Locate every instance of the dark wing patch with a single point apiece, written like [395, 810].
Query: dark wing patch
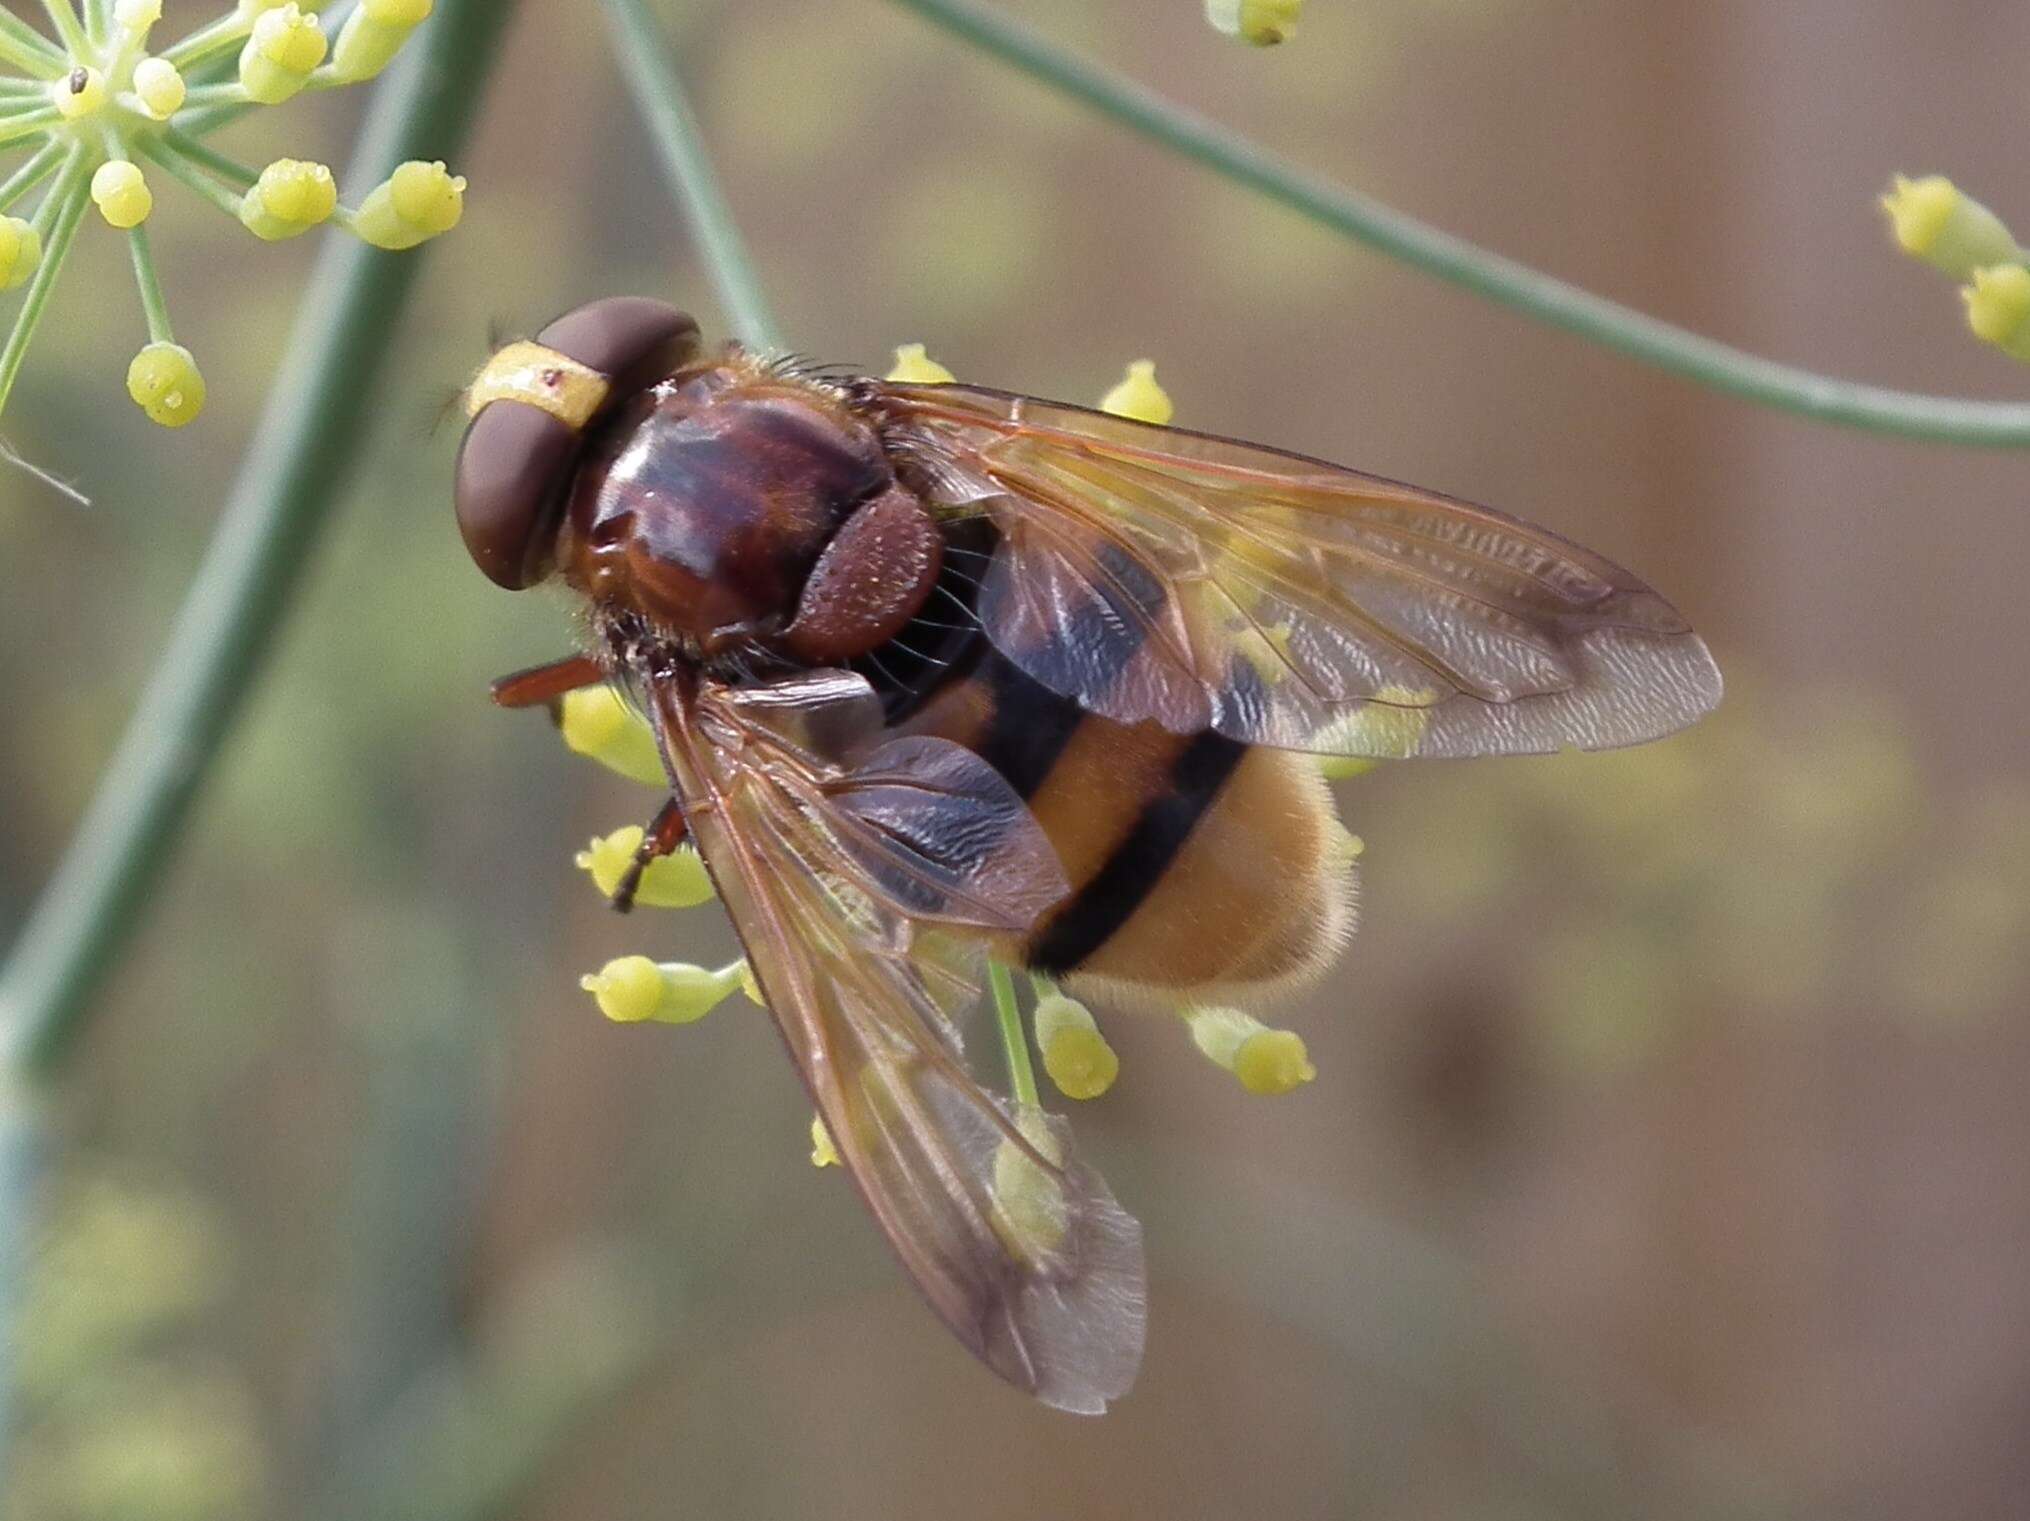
[836, 879]
[1158, 574]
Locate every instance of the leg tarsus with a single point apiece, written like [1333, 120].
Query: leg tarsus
[664, 834]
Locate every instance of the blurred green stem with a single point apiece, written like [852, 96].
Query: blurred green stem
[154, 307]
[645, 59]
[1014, 1039]
[65, 20]
[321, 404]
[57, 219]
[1873, 409]
[32, 173]
[26, 48]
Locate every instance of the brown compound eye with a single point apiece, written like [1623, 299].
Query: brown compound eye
[631, 340]
[519, 455]
[512, 470]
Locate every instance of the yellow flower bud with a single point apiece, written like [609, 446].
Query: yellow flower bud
[1344, 848]
[1031, 1214]
[627, 989]
[20, 252]
[915, 367]
[1262, 23]
[78, 94]
[159, 84]
[630, 989]
[823, 1152]
[165, 383]
[1138, 396]
[677, 880]
[1998, 308]
[1266, 1061]
[596, 723]
[1389, 728]
[1272, 1062]
[374, 34]
[418, 202]
[289, 198]
[1075, 1054]
[285, 46]
[122, 193]
[1934, 222]
[137, 15]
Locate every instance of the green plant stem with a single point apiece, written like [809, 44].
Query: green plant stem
[31, 174]
[322, 400]
[64, 17]
[222, 65]
[226, 93]
[57, 219]
[213, 37]
[178, 162]
[321, 403]
[1014, 1038]
[153, 306]
[28, 123]
[224, 165]
[1941, 419]
[645, 60]
[27, 49]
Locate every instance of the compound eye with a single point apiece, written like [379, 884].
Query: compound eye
[633, 341]
[512, 471]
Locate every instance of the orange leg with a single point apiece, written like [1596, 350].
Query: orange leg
[545, 683]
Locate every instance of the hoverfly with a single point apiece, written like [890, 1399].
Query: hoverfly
[938, 671]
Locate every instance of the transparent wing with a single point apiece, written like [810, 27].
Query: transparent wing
[856, 884]
[1159, 574]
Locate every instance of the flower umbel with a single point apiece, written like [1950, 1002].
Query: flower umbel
[678, 880]
[1260, 23]
[1075, 1053]
[100, 113]
[630, 989]
[165, 383]
[1998, 308]
[915, 367]
[1138, 396]
[1934, 220]
[1265, 1060]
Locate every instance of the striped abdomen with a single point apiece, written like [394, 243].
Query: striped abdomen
[1196, 863]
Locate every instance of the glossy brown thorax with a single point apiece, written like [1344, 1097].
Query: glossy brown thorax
[704, 503]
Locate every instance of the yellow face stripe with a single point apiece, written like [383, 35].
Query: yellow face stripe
[542, 378]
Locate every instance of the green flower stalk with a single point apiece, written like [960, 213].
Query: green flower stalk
[101, 113]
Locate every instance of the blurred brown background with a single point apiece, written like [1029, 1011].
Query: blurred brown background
[1668, 1153]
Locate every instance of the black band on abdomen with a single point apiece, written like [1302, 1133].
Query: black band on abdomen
[1107, 901]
